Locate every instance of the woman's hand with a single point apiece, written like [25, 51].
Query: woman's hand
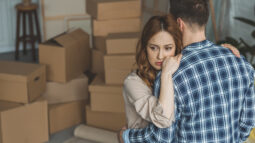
[171, 64]
[120, 134]
[232, 48]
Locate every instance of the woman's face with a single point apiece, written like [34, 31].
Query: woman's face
[160, 46]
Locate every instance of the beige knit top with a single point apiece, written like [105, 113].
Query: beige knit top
[141, 106]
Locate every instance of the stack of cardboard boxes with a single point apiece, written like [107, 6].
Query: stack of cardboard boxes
[67, 57]
[30, 107]
[116, 26]
[23, 119]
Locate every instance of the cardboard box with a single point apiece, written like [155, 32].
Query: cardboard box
[66, 115]
[117, 67]
[74, 90]
[66, 56]
[100, 43]
[23, 123]
[113, 9]
[105, 120]
[106, 98]
[83, 22]
[105, 27]
[122, 43]
[98, 62]
[21, 82]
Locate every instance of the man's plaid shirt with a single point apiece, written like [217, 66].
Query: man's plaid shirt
[214, 99]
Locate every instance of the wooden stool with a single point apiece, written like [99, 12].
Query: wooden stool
[31, 37]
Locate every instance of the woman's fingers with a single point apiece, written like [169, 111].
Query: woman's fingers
[179, 57]
[234, 50]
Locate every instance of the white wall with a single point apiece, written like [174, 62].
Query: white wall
[8, 18]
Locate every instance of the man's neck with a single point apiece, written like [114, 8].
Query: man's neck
[190, 37]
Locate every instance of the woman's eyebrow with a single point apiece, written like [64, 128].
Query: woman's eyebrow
[153, 45]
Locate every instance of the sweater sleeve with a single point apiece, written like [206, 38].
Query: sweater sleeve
[146, 105]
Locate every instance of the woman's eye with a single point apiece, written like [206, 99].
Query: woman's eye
[168, 48]
[153, 48]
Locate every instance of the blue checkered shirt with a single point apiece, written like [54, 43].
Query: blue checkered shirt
[214, 99]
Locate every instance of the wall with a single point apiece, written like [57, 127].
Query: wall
[8, 24]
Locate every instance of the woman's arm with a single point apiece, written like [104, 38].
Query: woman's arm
[158, 111]
[137, 94]
[166, 98]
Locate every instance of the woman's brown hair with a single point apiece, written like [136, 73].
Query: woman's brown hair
[155, 24]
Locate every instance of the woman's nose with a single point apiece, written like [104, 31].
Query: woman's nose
[160, 55]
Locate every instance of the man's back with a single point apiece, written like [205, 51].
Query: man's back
[214, 95]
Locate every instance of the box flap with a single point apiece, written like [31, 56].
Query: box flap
[79, 34]
[52, 41]
[65, 40]
[17, 71]
[98, 85]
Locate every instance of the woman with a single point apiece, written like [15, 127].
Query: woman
[158, 49]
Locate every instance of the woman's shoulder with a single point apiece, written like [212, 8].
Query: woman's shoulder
[132, 76]
[134, 84]
[133, 79]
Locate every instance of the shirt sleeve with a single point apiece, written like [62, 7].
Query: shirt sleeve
[247, 121]
[146, 105]
[152, 134]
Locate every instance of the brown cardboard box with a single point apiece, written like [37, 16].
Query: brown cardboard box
[105, 120]
[122, 43]
[65, 115]
[21, 82]
[100, 43]
[104, 27]
[98, 62]
[117, 43]
[74, 90]
[117, 67]
[23, 123]
[113, 9]
[66, 56]
[106, 98]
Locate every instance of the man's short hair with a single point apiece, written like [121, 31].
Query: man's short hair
[191, 11]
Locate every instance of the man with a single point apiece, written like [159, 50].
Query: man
[214, 90]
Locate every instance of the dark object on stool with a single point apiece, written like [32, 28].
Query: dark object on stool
[29, 10]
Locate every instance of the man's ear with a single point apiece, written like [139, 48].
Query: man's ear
[180, 24]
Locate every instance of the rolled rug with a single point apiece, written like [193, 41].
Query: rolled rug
[95, 134]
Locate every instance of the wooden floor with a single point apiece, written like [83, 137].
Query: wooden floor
[10, 56]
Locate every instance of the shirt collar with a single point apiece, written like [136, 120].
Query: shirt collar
[198, 45]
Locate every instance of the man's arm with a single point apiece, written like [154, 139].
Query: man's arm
[247, 120]
[152, 133]
[149, 134]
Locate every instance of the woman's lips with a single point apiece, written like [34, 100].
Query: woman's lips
[159, 63]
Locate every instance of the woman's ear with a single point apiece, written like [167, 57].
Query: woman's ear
[180, 24]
